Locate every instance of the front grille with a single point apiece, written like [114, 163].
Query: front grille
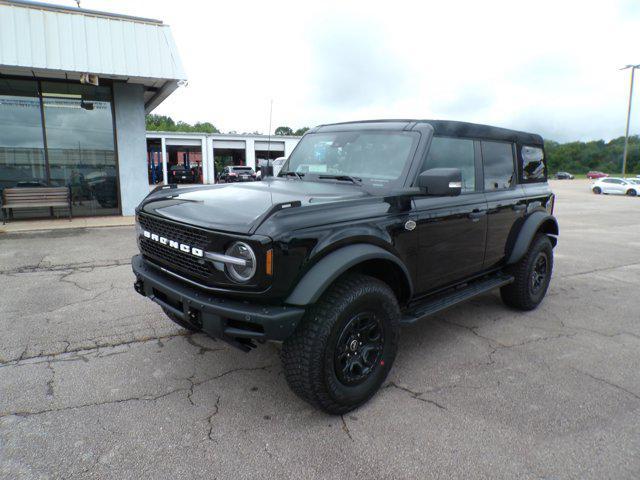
[169, 256]
[180, 233]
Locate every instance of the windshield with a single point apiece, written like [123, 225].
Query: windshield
[377, 158]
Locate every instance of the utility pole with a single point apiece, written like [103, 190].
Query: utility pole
[269, 140]
[626, 134]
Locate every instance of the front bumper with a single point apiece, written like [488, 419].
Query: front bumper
[234, 321]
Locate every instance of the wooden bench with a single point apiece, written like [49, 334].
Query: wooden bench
[35, 197]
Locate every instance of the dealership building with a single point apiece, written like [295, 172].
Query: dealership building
[200, 153]
[75, 86]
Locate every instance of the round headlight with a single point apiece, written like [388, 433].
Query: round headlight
[241, 273]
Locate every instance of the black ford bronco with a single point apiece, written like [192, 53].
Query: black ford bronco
[368, 226]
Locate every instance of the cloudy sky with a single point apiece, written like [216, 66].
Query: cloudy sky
[546, 66]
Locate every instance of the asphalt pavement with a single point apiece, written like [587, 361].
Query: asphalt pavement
[95, 383]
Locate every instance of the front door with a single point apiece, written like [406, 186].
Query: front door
[451, 230]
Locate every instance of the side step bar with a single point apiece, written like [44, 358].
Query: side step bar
[452, 297]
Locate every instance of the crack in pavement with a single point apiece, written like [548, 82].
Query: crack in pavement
[611, 384]
[496, 345]
[49, 390]
[597, 270]
[201, 348]
[345, 428]
[145, 398]
[85, 267]
[47, 357]
[216, 408]
[65, 278]
[415, 395]
[599, 333]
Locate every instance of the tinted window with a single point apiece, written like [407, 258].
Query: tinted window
[497, 158]
[453, 153]
[532, 163]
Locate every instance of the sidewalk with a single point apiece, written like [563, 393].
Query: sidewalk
[64, 223]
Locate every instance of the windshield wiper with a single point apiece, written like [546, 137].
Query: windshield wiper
[295, 174]
[347, 178]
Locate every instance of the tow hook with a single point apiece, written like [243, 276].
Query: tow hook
[138, 286]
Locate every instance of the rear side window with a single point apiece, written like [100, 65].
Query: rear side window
[532, 163]
[499, 171]
[459, 153]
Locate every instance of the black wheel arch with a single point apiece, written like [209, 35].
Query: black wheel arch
[362, 258]
[537, 222]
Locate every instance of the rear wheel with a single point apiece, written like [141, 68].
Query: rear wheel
[344, 346]
[532, 275]
[597, 190]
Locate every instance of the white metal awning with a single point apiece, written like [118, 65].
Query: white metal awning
[51, 41]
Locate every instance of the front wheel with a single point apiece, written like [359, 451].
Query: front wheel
[344, 346]
[597, 190]
[532, 275]
[631, 192]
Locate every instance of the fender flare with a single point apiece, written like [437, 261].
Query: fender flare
[314, 283]
[535, 222]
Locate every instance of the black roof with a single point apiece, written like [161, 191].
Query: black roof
[441, 127]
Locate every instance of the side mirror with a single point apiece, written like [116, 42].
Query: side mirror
[441, 181]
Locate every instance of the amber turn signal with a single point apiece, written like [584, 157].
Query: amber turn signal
[269, 262]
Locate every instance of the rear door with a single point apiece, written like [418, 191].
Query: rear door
[506, 202]
[451, 230]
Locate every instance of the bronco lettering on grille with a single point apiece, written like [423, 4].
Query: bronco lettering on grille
[173, 244]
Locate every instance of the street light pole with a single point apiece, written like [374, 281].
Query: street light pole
[626, 134]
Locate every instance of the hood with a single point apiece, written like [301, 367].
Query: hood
[241, 207]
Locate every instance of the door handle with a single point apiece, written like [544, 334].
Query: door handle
[476, 214]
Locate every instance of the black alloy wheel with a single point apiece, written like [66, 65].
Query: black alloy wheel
[359, 348]
[539, 272]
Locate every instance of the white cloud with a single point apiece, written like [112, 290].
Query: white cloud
[547, 66]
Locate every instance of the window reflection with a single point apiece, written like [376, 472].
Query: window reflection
[22, 159]
[80, 146]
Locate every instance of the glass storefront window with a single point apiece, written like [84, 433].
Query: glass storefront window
[22, 160]
[80, 145]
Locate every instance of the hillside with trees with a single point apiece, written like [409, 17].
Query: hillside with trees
[580, 157]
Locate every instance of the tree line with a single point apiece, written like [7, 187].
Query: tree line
[164, 123]
[581, 157]
[573, 157]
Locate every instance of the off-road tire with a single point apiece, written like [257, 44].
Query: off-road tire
[308, 355]
[520, 294]
[179, 321]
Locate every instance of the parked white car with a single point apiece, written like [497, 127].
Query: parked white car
[618, 186]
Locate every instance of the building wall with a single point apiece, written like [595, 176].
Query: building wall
[132, 146]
